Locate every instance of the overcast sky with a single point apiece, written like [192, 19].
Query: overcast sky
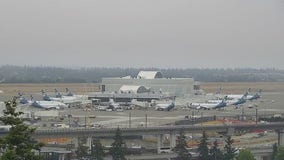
[144, 33]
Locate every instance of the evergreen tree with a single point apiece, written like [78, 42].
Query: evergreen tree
[82, 150]
[280, 154]
[118, 147]
[180, 149]
[203, 147]
[229, 150]
[18, 143]
[245, 155]
[97, 150]
[274, 152]
[215, 153]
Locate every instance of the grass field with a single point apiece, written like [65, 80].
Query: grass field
[238, 87]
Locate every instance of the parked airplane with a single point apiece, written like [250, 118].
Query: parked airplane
[2, 104]
[236, 101]
[114, 106]
[5, 127]
[236, 96]
[23, 100]
[42, 104]
[247, 95]
[210, 104]
[48, 104]
[165, 106]
[140, 104]
[64, 99]
[69, 93]
[102, 108]
[57, 94]
[254, 96]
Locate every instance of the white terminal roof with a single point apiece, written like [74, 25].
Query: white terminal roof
[133, 89]
[149, 74]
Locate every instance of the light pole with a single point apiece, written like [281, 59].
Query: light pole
[129, 119]
[243, 113]
[146, 120]
[256, 115]
[201, 118]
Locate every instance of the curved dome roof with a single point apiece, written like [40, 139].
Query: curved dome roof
[133, 89]
[149, 74]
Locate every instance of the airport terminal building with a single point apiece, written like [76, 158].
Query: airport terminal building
[149, 81]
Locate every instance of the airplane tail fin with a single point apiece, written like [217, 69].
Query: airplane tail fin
[46, 98]
[69, 93]
[22, 100]
[219, 90]
[133, 100]
[58, 95]
[42, 92]
[111, 101]
[226, 98]
[20, 94]
[249, 90]
[245, 94]
[258, 94]
[172, 105]
[32, 98]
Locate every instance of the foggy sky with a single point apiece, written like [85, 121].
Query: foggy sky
[143, 33]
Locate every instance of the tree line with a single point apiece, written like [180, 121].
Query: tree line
[29, 74]
[18, 144]
[216, 153]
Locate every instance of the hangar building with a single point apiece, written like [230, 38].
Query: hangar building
[149, 81]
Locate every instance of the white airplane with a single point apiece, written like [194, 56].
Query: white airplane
[236, 101]
[42, 104]
[23, 100]
[2, 104]
[230, 101]
[62, 99]
[254, 96]
[49, 104]
[165, 106]
[70, 94]
[5, 127]
[140, 104]
[102, 108]
[109, 106]
[236, 96]
[114, 106]
[69, 98]
[211, 104]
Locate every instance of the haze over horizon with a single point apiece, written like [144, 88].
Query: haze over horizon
[141, 68]
[132, 33]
